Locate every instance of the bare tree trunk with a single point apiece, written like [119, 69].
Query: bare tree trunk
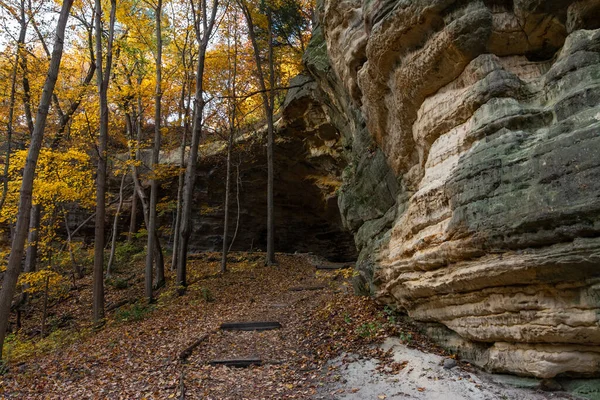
[18, 245]
[232, 120]
[133, 217]
[184, 108]
[32, 238]
[103, 76]
[11, 112]
[32, 247]
[113, 244]
[203, 38]
[45, 308]
[139, 190]
[25, 79]
[226, 204]
[186, 126]
[134, 169]
[77, 271]
[268, 97]
[270, 157]
[237, 199]
[152, 229]
[179, 198]
[134, 197]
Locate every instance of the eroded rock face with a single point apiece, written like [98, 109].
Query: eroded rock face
[486, 119]
[308, 168]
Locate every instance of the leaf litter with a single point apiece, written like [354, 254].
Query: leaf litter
[130, 358]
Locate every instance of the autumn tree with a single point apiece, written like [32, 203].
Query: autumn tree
[102, 78]
[232, 76]
[160, 277]
[22, 221]
[18, 15]
[268, 99]
[204, 23]
[182, 40]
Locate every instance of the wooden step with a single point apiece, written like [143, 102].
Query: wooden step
[250, 326]
[303, 288]
[333, 266]
[239, 363]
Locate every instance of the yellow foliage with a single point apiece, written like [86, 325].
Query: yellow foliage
[36, 281]
[18, 348]
[3, 258]
[61, 177]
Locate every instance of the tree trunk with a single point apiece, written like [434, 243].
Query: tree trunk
[103, 76]
[18, 244]
[133, 217]
[11, 112]
[186, 126]
[77, 271]
[134, 197]
[190, 173]
[270, 144]
[179, 199]
[226, 204]
[25, 79]
[45, 308]
[65, 117]
[139, 190]
[232, 119]
[152, 229]
[32, 248]
[113, 244]
[268, 97]
[32, 238]
[238, 180]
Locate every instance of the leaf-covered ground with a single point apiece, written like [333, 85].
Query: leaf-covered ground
[137, 353]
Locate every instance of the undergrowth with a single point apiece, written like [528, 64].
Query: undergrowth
[18, 348]
[134, 312]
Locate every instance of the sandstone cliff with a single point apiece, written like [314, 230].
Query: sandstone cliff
[471, 137]
[308, 165]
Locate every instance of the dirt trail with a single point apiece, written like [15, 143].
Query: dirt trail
[135, 360]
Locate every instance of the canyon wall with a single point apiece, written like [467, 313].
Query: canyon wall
[308, 165]
[471, 137]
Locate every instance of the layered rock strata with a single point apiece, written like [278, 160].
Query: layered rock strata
[472, 135]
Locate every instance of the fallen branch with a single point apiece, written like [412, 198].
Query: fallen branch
[188, 351]
[118, 304]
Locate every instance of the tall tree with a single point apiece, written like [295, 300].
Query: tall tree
[102, 79]
[232, 108]
[12, 99]
[203, 25]
[18, 244]
[152, 231]
[268, 98]
[113, 244]
[65, 117]
[186, 57]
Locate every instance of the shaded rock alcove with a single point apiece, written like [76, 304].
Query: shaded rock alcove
[308, 169]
